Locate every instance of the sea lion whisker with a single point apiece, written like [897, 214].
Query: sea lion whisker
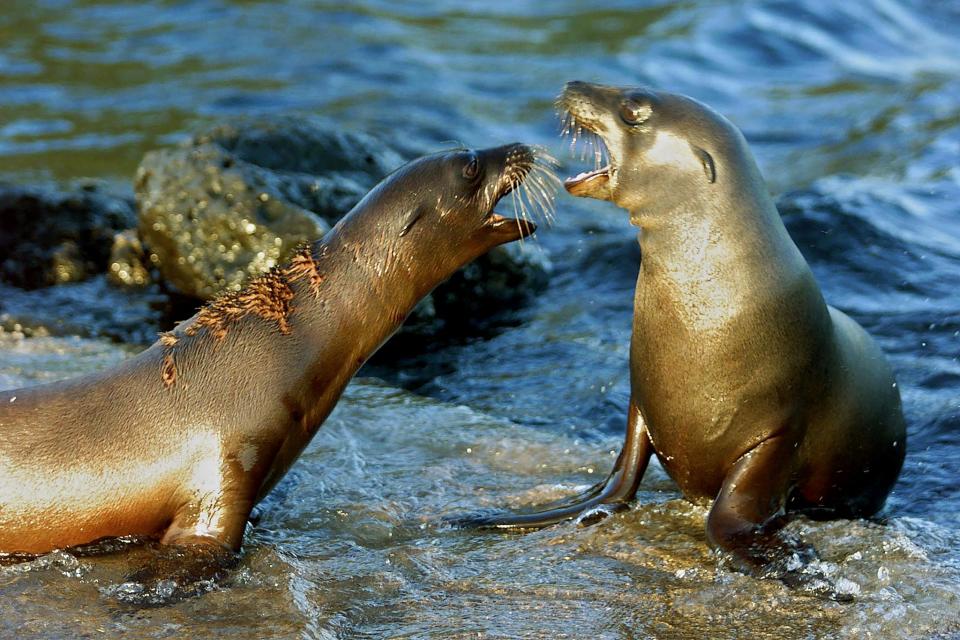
[566, 122]
[543, 201]
[549, 175]
[597, 150]
[538, 205]
[547, 198]
[523, 210]
[527, 203]
[520, 213]
[525, 193]
[485, 196]
[513, 202]
[547, 182]
[542, 157]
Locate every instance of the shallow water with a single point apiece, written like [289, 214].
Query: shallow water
[852, 110]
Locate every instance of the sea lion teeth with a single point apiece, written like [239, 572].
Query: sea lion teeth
[589, 183]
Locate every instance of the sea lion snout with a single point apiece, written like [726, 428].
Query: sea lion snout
[510, 163]
[526, 173]
[653, 139]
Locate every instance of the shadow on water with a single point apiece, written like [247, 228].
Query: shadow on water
[852, 111]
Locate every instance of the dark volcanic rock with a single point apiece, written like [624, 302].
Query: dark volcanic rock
[498, 281]
[52, 236]
[92, 308]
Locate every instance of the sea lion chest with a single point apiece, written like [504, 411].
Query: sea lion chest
[717, 364]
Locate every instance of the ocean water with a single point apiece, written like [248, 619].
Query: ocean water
[853, 112]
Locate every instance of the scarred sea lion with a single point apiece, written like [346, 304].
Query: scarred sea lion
[181, 441]
[749, 388]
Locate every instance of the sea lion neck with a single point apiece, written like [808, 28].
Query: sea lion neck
[699, 221]
[392, 275]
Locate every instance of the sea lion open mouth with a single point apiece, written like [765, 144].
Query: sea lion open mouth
[597, 182]
[529, 178]
[605, 121]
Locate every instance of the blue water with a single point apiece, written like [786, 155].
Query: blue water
[853, 111]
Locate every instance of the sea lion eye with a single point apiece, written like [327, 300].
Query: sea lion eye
[471, 169]
[632, 112]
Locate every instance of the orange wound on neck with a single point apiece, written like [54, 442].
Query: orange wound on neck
[302, 265]
[168, 339]
[168, 371]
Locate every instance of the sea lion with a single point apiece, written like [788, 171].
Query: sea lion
[181, 441]
[748, 387]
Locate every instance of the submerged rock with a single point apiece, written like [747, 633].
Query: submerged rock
[92, 308]
[50, 235]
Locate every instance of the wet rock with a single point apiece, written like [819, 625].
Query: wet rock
[500, 281]
[238, 199]
[50, 235]
[127, 261]
[93, 308]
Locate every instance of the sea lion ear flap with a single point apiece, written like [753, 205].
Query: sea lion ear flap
[706, 161]
[411, 220]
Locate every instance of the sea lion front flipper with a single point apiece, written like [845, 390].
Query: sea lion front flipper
[176, 571]
[747, 517]
[596, 503]
[197, 551]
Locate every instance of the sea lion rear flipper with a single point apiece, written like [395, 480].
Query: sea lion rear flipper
[596, 503]
[747, 517]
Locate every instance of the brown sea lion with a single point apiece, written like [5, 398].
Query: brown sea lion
[748, 387]
[181, 441]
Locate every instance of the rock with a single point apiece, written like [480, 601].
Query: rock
[501, 280]
[92, 308]
[50, 235]
[127, 261]
[209, 221]
[238, 199]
